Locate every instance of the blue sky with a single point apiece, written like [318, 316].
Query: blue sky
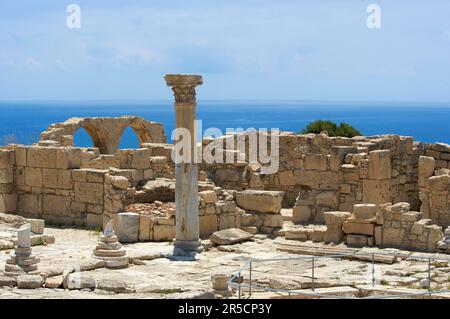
[245, 49]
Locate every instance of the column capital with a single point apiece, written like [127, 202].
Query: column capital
[183, 86]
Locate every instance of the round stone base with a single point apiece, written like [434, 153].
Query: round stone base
[187, 248]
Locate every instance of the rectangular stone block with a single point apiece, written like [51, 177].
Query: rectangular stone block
[376, 191]
[357, 241]
[8, 203]
[145, 228]
[6, 175]
[89, 193]
[30, 205]
[55, 205]
[57, 178]
[380, 164]
[358, 228]
[208, 225]
[68, 158]
[41, 157]
[21, 155]
[94, 221]
[33, 176]
[315, 162]
[79, 175]
[95, 175]
[163, 232]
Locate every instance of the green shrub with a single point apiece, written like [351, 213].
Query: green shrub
[344, 129]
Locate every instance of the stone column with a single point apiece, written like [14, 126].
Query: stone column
[187, 242]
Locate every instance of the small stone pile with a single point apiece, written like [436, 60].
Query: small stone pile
[444, 245]
[360, 227]
[22, 262]
[110, 250]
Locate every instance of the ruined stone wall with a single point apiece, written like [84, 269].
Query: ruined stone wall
[66, 185]
[434, 183]
[318, 173]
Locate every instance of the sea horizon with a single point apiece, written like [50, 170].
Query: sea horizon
[24, 120]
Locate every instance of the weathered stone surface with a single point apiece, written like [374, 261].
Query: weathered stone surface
[164, 232]
[115, 286]
[29, 281]
[210, 197]
[379, 165]
[7, 281]
[364, 211]
[126, 226]
[230, 236]
[334, 222]
[357, 241]
[78, 281]
[37, 225]
[260, 201]
[359, 228]
[54, 282]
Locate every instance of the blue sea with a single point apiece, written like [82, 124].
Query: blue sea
[21, 122]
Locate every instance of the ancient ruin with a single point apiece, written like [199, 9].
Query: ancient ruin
[329, 195]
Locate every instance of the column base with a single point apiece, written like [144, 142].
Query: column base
[187, 248]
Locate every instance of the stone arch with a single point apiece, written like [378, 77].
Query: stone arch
[105, 132]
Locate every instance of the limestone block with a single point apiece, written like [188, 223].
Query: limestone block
[227, 175]
[435, 235]
[402, 207]
[68, 158]
[126, 226]
[94, 220]
[300, 234]
[287, 178]
[55, 205]
[95, 175]
[315, 162]
[230, 236]
[29, 281]
[378, 234]
[438, 183]
[145, 228]
[426, 168]
[301, 214]
[334, 222]
[78, 281]
[208, 225]
[393, 237]
[351, 227]
[318, 234]
[79, 175]
[210, 197]
[328, 199]
[357, 241]
[338, 154]
[6, 175]
[376, 191]
[8, 203]
[141, 158]
[379, 165]
[251, 229]
[37, 225]
[164, 232]
[30, 205]
[89, 192]
[271, 220]
[44, 157]
[56, 178]
[33, 176]
[364, 211]
[260, 201]
[119, 182]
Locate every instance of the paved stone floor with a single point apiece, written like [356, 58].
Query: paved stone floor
[159, 277]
